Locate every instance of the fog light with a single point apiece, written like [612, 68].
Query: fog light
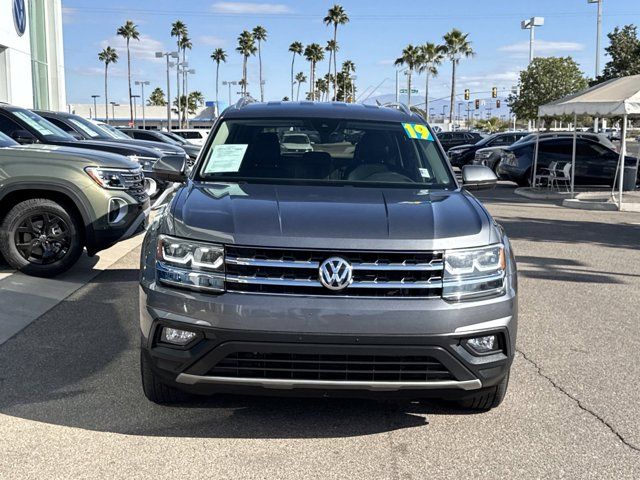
[483, 344]
[176, 336]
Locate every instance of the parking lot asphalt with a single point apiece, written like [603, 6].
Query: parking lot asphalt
[71, 405]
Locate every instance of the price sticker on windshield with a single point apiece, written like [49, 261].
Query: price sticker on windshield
[417, 131]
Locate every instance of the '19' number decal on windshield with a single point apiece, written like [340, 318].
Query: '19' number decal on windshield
[417, 131]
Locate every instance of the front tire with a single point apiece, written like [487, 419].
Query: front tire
[487, 398]
[525, 181]
[154, 389]
[39, 237]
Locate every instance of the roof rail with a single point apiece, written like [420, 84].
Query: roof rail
[244, 101]
[400, 106]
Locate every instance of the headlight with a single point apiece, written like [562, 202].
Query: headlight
[187, 264]
[483, 155]
[508, 158]
[474, 273]
[145, 162]
[111, 178]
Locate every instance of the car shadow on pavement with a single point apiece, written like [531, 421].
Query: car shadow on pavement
[566, 270]
[77, 366]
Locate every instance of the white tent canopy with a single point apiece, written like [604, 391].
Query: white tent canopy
[619, 97]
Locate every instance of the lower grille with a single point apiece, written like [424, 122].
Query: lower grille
[372, 368]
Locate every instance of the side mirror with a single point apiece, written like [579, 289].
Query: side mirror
[24, 137]
[478, 177]
[170, 169]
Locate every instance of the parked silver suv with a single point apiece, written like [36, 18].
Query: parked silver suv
[361, 267]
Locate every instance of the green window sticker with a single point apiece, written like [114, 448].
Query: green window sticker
[418, 131]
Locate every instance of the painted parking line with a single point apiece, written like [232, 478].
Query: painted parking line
[24, 299]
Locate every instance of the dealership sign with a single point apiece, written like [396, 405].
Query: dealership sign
[19, 16]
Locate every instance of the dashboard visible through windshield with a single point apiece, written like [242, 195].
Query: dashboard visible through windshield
[342, 151]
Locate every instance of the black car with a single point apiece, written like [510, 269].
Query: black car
[453, 139]
[463, 154]
[596, 164]
[153, 136]
[83, 129]
[27, 127]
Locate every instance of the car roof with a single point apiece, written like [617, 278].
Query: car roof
[338, 110]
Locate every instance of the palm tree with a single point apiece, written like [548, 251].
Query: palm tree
[300, 79]
[246, 47]
[129, 31]
[108, 55]
[218, 55]
[179, 30]
[456, 47]
[296, 48]
[313, 54]
[431, 55]
[411, 58]
[184, 44]
[332, 48]
[260, 34]
[347, 67]
[335, 16]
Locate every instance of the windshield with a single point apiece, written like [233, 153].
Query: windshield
[297, 139]
[6, 141]
[114, 132]
[88, 128]
[43, 127]
[176, 138]
[353, 152]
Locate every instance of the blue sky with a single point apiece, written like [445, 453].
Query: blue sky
[374, 37]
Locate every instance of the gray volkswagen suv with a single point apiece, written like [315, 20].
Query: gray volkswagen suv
[361, 267]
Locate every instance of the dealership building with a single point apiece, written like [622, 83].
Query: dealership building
[31, 54]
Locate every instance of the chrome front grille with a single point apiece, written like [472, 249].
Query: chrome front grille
[134, 182]
[292, 271]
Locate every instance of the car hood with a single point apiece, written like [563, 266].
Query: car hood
[113, 147]
[327, 217]
[164, 147]
[80, 155]
[460, 148]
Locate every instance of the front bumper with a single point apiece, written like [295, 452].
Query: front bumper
[269, 326]
[510, 172]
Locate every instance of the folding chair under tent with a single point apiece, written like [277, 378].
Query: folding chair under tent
[619, 97]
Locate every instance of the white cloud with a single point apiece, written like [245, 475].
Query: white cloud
[542, 47]
[99, 71]
[211, 41]
[385, 62]
[250, 8]
[143, 49]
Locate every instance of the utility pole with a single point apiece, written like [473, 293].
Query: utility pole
[135, 109]
[229, 85]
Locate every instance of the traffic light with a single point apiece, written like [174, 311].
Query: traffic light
[494, 92]
[467, 94]
[497, 103]
[477, 104]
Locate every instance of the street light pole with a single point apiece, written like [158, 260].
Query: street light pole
[95, 106]
[142, 84]
[169, 65]
[598, 35]
[113, 109]
[229, 83]
[186, 72]
[530, 25]
[135, 108]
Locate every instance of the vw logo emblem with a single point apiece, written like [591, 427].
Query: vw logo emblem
[336, 273]
[19, 16]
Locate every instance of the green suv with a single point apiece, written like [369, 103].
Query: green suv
[55, 201]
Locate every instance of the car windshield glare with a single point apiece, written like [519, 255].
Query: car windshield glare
[336, 152]
[43, 127]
